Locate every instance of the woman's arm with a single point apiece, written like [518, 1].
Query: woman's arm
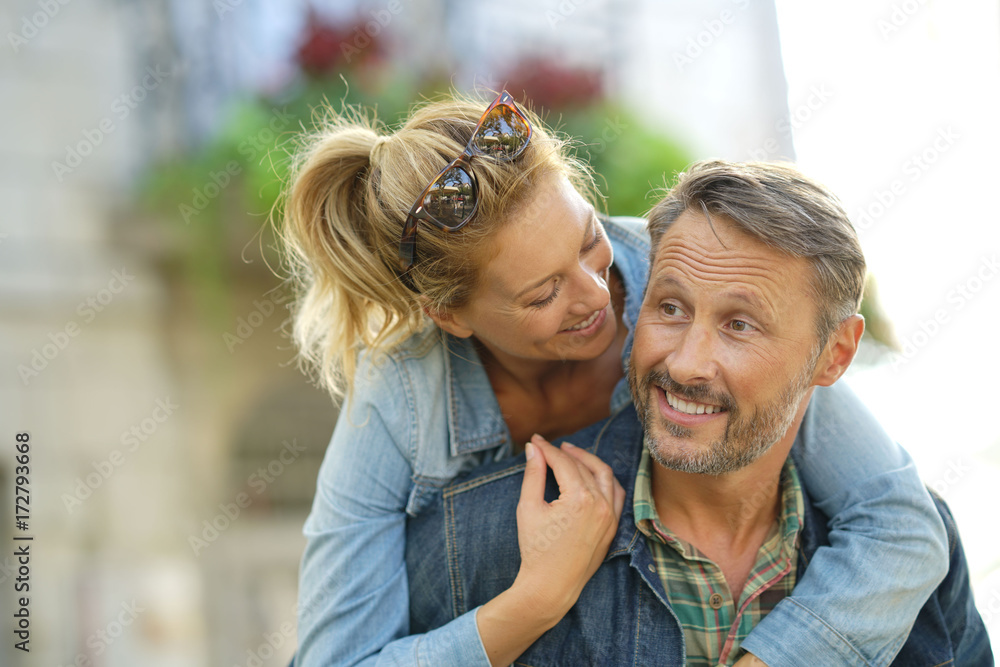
[858, 599]
[353, 593]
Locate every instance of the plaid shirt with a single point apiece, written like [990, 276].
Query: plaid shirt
[713, 626]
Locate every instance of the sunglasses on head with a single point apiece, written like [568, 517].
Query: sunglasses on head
[451, 199]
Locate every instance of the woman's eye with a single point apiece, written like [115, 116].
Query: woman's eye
[541, 303]
[598, 235]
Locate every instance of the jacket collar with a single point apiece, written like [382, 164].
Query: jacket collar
[469, 386]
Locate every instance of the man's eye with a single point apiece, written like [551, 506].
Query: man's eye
[671, 310]
[741, 326]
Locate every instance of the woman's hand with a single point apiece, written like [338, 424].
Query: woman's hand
[562, 544]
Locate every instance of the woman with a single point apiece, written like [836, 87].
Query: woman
[465, 303]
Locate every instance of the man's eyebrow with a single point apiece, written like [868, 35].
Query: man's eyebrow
[590, 231]
[668, 281]
[746, 296]
[751, 299]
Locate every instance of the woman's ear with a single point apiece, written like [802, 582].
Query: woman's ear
[448, 320]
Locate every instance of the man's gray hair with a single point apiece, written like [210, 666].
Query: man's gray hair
[776, 204]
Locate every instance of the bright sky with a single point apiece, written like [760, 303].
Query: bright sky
[905, 103]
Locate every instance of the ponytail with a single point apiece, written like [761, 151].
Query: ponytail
[348, 298]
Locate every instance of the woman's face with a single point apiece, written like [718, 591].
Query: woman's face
[543, 294]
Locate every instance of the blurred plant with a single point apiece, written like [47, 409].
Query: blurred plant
[551, 86]
[629, 159]
[878, 326]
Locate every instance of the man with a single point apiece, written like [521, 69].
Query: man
[755, 280]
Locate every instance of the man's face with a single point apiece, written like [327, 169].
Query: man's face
[725, 347]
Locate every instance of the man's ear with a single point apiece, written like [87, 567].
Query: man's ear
[448, 320]
[839, 352]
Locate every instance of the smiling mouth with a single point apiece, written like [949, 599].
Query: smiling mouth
[587, 322]
[690, 407]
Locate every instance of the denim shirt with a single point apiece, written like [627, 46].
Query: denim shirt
[464, 552]
[426, 412]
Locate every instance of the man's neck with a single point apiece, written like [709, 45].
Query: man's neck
[727, 517]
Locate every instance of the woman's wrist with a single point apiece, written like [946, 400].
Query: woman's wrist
[512, 621]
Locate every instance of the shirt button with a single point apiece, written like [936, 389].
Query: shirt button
[652, 568]
[715, 601]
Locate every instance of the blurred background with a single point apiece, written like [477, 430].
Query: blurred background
[174, 446]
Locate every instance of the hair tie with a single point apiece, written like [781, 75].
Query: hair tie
[379, 140]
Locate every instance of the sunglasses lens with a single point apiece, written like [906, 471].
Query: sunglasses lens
[503, 134]
[451, 199]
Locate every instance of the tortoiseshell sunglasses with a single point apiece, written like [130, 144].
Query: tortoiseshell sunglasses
[451, 199]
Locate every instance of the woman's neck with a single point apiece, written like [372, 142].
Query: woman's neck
[557, 397]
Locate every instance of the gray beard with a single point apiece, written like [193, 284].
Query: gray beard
[746, 438]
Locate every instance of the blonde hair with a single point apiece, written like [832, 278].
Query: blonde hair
[351, 187]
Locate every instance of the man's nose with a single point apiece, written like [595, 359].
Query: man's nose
[693, 360]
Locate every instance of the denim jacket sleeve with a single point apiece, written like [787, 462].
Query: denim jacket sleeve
[888, 550]
[353, 594]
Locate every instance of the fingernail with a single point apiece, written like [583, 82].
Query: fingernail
[529, 451]
[568, 445]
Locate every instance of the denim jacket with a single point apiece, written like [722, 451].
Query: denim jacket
[426, 412]
[464, 552]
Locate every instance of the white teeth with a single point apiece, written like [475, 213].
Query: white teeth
[690, 408]
[586, 323]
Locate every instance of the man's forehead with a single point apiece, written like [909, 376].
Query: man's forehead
[717, 241]
[694, 251]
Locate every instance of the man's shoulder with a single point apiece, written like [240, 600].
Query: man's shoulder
[948, 629]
